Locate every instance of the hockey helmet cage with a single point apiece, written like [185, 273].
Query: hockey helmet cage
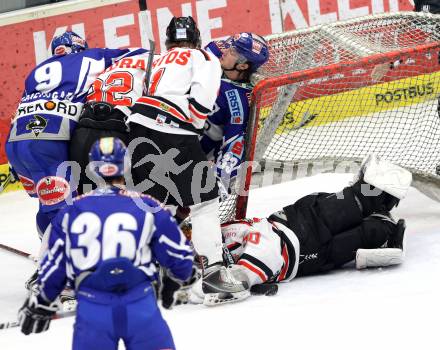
[108, 153]
[68, 42]
[183, 29]
[252, 47]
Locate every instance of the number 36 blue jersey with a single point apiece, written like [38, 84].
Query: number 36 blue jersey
[112, 223]
[55, 92]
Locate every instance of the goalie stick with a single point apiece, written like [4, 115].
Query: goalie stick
[57, 316]
[18, 252]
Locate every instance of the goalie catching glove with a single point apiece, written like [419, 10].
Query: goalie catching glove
[35, 316]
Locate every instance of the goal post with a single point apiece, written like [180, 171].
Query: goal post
[338, 92]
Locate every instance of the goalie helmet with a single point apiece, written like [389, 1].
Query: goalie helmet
[183, 29]
[68, 42]
[252, 47]
[110, 153]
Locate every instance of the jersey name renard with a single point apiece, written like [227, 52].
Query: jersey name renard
[268, 249]
[183, 88]
[123, 82]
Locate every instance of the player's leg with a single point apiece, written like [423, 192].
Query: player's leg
[146, 328]
[93, 328]
[18, 153]
[93, 124]
[147, 148]
[380, 185]
[198, 186]
[375, 231]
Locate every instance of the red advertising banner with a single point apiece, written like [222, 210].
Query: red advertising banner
[118, 24]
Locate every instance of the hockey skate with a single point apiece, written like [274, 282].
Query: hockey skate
[220, 285]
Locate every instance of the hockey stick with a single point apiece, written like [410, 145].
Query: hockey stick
[18, 252]
[57, 316]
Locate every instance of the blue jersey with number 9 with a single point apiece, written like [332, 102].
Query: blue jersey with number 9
[55, 92]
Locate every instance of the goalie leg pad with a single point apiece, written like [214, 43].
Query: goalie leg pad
[379, 257]
[386, 176]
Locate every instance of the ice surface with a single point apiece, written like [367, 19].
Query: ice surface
[389, 308]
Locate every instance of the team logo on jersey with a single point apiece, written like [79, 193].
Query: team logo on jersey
[108, 169]
[28, 185]
[235, 106]
[52, 190]
[51, 107]
[37, 125]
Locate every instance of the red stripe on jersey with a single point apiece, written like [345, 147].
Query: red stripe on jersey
[254, 269]
[164, 107]
[197, 113]
[285, 255]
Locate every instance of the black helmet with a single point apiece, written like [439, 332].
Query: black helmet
[183, 29]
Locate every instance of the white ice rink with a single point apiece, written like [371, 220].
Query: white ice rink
[392, 308]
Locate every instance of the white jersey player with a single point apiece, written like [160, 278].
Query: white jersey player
[166, 151]
[183, 87]
[323, 231]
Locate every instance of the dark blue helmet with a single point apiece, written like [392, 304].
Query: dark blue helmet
[110, 152]
[252, 47]
[68, 42]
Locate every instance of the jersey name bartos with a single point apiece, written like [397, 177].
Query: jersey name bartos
[183, 86]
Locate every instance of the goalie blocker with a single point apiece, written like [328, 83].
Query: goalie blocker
[322, 231]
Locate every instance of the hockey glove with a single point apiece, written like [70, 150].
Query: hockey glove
[170, 286]
[35, 316]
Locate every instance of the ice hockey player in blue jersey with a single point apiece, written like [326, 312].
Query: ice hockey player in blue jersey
[107, 244]
[46, 116]
[223, 140]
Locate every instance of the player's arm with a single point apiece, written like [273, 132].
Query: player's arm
[113, 55]
[212, 138]
[38, 309]
[204, 85]
[173, 252]
[52, 269]
[170, 247]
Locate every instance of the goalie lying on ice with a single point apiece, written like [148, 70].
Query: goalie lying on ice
[323, 231]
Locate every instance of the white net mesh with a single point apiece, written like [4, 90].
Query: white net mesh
[344, 90]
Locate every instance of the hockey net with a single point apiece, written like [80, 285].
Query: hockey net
[337, 92]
